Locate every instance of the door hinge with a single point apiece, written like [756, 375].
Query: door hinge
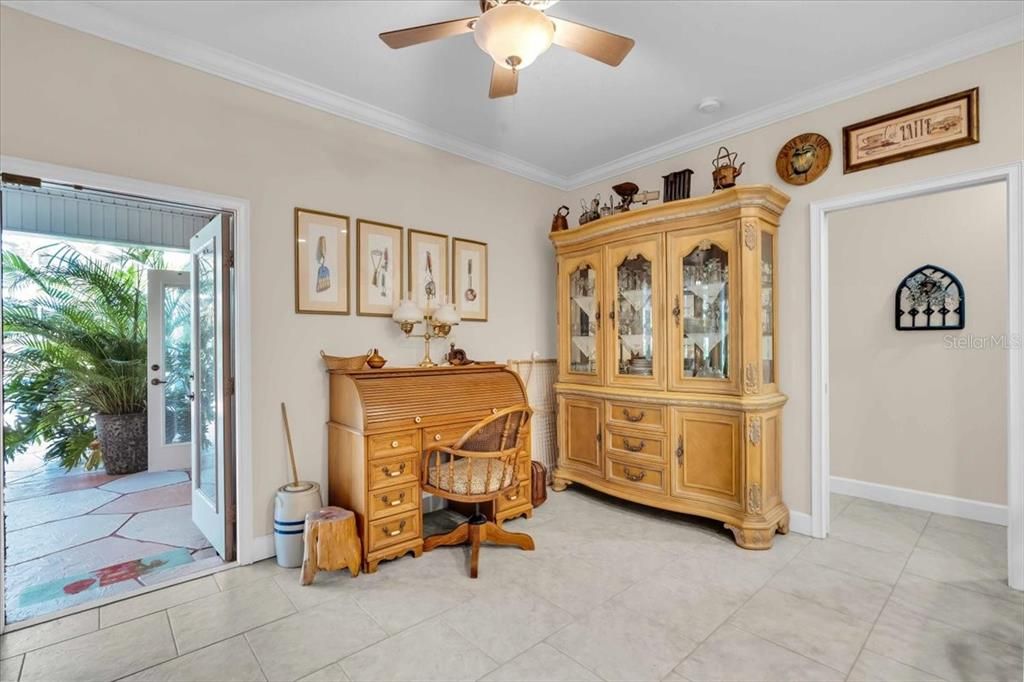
[233, 513]
[231, 258]
[231, 386]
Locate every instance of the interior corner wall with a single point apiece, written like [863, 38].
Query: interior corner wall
[999, 75]
[75, 100]
[923, 410]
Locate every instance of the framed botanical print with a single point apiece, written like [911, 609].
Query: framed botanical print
[321, 262]
[428, 268]
[378, 267]
[469, 278]
[945, 123]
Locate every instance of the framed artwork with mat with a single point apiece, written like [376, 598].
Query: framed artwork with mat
[469, 278]
[379, 275]
[321, 262]
[428, 268]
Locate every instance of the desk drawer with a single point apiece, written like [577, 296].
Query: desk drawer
[637, 444]
[445, 435]
[389, 444]
[394, 530]
[636, 414]
[639, 476]
[515, 497]
[390, 471]
[394, 500]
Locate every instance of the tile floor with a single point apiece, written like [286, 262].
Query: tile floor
[613, 592]
[73, 537]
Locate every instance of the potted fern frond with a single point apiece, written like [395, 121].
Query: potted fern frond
[75, 356]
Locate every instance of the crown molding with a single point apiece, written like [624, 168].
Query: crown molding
[100, 22]
[969, 45]
[89, 18]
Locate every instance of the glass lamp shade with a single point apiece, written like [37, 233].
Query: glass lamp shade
[447, 314]
[513, 35]
[407, 311]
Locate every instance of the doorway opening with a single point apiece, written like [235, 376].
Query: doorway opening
[970, 495]
[118, 462]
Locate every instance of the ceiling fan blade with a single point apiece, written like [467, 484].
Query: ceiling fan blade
[591, 42]
[427, 32]
[504, 82]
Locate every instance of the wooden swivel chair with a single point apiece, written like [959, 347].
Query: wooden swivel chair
[477, 468]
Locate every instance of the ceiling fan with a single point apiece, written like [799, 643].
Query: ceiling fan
[514, 33]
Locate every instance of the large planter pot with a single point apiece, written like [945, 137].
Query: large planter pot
[123, 442]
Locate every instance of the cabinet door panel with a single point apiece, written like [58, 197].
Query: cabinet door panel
[704, 278]
[707, 461]
[581, 429]
[579, 317]
[634, 292]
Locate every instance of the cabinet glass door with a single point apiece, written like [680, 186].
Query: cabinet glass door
[704, 278]
[581, 325]
[634, 291]
[767, 292]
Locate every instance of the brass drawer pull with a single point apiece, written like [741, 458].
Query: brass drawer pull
[634, 477]
[494, 410]
[417, 419]
[393, 503]
[394, 443]
[512, 498]
[388, 472]
[393, 533]
[437, 436]
[632, 418]
[633, 447]
[679, 450]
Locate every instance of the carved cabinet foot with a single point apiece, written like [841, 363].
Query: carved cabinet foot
[559, 484]
[752, 538]
[784, 525]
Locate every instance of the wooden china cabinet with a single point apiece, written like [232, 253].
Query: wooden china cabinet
[667, 385]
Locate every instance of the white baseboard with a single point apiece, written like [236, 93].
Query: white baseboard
[263, 547]
[799, 522]
[986, 512]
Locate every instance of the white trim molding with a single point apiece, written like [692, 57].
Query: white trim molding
[986, 512]
[800, 523]
[101, 22]
[1012, 175]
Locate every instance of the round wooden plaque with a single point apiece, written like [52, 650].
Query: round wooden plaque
[803, 159]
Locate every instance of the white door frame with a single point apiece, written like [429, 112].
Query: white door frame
[246, 548]
[1013, 177]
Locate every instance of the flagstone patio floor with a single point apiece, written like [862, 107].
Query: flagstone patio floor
[74, 537]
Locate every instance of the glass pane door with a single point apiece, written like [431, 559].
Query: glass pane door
[584, 311]
[634, 317]
[169, 386]
[207, 393]
[705, 343]
[767, 308]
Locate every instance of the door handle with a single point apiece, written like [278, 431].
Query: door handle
[157, 382]
[679, 450]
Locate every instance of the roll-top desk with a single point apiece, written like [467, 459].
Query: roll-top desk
[667, 389]
[381, 421]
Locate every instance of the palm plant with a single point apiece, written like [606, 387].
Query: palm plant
[74, 348]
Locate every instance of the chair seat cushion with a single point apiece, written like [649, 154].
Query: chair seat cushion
[460, 483]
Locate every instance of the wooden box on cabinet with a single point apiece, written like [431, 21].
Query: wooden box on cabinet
[667, 354]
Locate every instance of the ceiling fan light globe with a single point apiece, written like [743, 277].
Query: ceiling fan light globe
[513, 33]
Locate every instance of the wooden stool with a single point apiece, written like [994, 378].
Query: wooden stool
[332, 543]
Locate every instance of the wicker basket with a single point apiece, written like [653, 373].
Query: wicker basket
[335, 362]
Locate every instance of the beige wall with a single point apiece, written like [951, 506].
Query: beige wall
[1000, 75]
[72, 99]
[919, 410]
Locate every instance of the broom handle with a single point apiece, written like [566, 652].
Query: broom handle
[291, 450]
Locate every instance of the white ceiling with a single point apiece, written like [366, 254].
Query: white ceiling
[573, 118]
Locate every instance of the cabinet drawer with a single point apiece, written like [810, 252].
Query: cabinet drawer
[394, 500]
[393, 530]
[390, 471]
[637, 415]
[445, 435]
[640, 476]
[637, 444]
[388, 444]
[515, 497]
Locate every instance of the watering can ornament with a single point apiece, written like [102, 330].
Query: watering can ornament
[725, 169]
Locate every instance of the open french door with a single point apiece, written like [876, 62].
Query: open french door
[169, 328]
[213, 470]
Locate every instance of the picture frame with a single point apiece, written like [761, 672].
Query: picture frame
[321, 263]
[427, 274]
[470, 278]
[379, 268]
[934, 126]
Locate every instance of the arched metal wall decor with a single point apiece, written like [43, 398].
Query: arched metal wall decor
[930, 297]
